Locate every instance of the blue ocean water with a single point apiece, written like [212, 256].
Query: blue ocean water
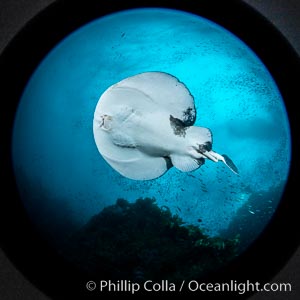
[64, 181]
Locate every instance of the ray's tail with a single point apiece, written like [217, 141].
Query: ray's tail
[214, 156]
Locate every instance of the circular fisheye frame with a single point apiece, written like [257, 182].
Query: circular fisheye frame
[148, 147]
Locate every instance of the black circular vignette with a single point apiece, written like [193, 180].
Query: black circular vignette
[20, 241]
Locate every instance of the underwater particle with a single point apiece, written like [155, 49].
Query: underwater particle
[143, 125]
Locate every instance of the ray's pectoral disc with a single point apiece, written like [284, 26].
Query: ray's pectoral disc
[143, 125]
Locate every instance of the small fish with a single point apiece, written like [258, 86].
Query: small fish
[190, 175]
[251, 212]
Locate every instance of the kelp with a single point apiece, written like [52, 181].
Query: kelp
[140, 241]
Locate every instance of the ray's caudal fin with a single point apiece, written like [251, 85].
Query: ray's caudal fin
[214, 156]
[229, 163]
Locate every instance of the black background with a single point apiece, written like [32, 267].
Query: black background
[14, 14]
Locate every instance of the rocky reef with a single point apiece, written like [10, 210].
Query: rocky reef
[141, 240]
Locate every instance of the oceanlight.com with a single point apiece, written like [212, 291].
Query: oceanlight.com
[239, 287]
[191, 286]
